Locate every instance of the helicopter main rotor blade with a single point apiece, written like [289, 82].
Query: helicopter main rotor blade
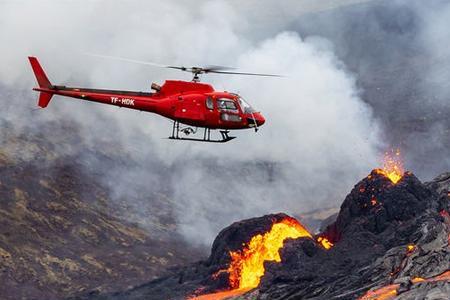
[141, 62]
[195, 70]
[244, 73]
[210, 68]
[133, 61]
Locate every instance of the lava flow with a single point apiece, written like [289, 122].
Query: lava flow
[389, 292]
[325, 242]
[392, 166]
[247, 265]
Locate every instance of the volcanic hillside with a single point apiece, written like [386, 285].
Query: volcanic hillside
[389, 241]
[59, 231]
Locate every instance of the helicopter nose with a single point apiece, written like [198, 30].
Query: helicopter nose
[256, 117]
[260, 119]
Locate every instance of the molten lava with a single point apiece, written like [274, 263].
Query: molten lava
[219, 295]
[390, 291]
[325, 242]
[392, 166]
[373, 202]
[247, 265]
[410, 248]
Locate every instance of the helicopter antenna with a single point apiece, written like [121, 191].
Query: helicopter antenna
[196, 71]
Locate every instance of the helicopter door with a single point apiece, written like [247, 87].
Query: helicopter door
[211, 114]
[189, 108]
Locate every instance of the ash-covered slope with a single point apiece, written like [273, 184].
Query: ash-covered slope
[58, 232]
[386, 235]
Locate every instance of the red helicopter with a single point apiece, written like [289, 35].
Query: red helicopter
[193, 104]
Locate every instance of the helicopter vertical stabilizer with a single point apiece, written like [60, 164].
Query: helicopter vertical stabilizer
[42, 79]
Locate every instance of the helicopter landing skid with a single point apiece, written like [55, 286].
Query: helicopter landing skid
[206, 135]
[202, 140]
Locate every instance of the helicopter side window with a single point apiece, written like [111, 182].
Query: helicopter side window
[227, 104]
[209, 103]
[230, 117]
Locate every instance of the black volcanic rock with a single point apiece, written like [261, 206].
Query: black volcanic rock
[428, 290]
[234, 236]
[376, 202]
[441, 184]
[377, 221]
[385, 233]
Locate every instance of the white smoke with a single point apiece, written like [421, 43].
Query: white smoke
[434, 35]
[317, 129]
[319, 137]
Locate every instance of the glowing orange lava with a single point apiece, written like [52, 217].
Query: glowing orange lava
[220, 295]
[392, 166]
[418, 279]
[247, 265]
[325, 242]
[384, 293]
[390, 291]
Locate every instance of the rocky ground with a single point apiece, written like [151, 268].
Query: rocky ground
[390, 240]
[58, 231]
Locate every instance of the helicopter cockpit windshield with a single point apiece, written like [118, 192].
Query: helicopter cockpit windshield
[246, 108]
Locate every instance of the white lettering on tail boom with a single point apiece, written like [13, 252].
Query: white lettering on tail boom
[123, 101]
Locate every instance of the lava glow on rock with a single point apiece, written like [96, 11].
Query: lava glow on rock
[325, 242]
[389, 292]
[392, 166]
[247, 265]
